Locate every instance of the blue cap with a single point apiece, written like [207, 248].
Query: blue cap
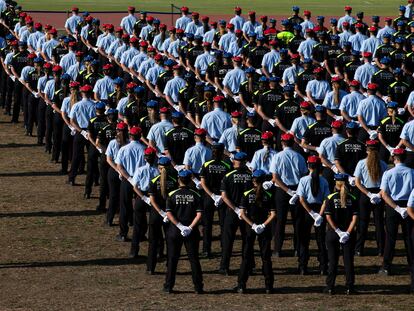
[222, 22]
[199, 83]
[400, 23]
[387, 35]
[185, 174]
[320, 17]
[288, 88]
[285, 22]
[334, 21]
[152, 104]
[218, 52]
[209, 88]
[263, 79]
[217, 146]
[139, 90]
[118, 81]
[189, 35]
[169, 63]
[250, 114]
[227, 55]
[88, 58]
[66, 40]
[334, 37]
[95, 62]
[250, 70]
[85, 14]
[297, 27]
[164, 161]
[341, 177]
[252, 34]
[283, 51]
[320, 108]
[295, 8]
[65, 76]
[177, 115]
[96, 21]
[274, 79]
[63, 37]
[198, 37]
[272, 20]
[260, 38]
[22, 43]
[307, 60]
[156, 21]
[352, 125]
[356, 53]
[392, 105]
[240, 156]
[360, 14]
[402, 8]
[375, 18]
[347, 43]
[258, 173]
[9, 37]
[397, 71]
[385, 60]
[100, 105]
[38, 60]
[399, 40]
[111, 111]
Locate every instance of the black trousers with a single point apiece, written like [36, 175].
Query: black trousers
[175, 242]
[103, 181]
[365, 208]
[79, 143]
[207, 220]
[333, 246]
[114, 185]
[392, 221]
[305, 226]
[41, 120]
[282, 208]
[411, 249]
[67, 146]
[3, 87]
[92, 168]
[18, 100]
[409, 161]
[9, 95]
[125, 207]
[329, 176]
[49, 128]
[140, 223]
[156, 242]
[265, 240]
[25, 97]
[32, 106]
[57, 136]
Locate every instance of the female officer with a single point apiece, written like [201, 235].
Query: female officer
[263, 157]
[312, 190]
[368, 174]
[159, 188]
[113, 175]
[258, 211]
[141, 182]
[341, 213]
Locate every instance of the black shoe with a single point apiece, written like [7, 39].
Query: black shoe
[120, 238]
[240, 289]
[303, 271]
[71, 183]
[359, 254]
[167, 290]
[276, 254]
[223, 271]
[199, 291]
[87, 196]
[295, 253]
[383, 271]
[63, 172]
[40, 143]
[351, 291]
[328, 291]
[324, 271]
[133, 254]
[100, 209]
[270, 291]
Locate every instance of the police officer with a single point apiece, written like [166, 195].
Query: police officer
[410, 208]
[350, 102]
[233, 185]
[268, 102]
[333, 99]
[229, 136]
[383, 77]
[249, 139]
[287, 168]
[318, 131]
[212, 173]
[262, 158]
[396, 186]
[318, 88]
[156, 134]
[312, 191]
[257, 212]
[197, 155]
[184, 211]
[128, 158]
[368, 174]
[340, 209]
[407, 139]
[18, 62]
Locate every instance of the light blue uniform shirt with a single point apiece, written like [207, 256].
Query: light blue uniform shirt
[72, 22]
[344, 37]
[229, 138]
[41, 83]
[73, 70]
[8, 58]
[123, 102]
[328, 102]
[345, 18]
[226, 40]
[48, 47]
[398, 182]
[290, 75]
[145, 32]
[157, 43]
[411, 200]
[196, 156]
[82, 112]
[66, 106]
[84, 31]
[304, 190]
[408, 133]
[370, 45]
[238, 22]
[157, 133]
[249, 27]
[153, 73]
[173, 48]
[305, 47]
[165, 44]
[50, 89]
[67, 60]
[383, 31]
[233, 79]
[357, 40]
[410, 100]
[173, 87]
[131, 156]
[300, 124]
[182, 22]
[215, 122]
[328, 146]
[200, 31]
[120, 51]
[259, 163]
[106, 42]
[25, 72]
[25, 35]
[364, 73]
[113, 47]
[270, 59]
[307, 24]
[235, 48]
[34, 38]
[372, 110]
[17, 27]
[209, 35]
[318, 88]
[126, 58]
[202, 61]
[289, 165]
[112, 149]
[192, 27]
[137, 60]
[145, 66]
[3, 5]
[350, 102]
[104, 87]
[143, 175]
[128, 23]
[361, 171]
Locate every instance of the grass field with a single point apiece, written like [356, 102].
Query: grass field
[270, 7]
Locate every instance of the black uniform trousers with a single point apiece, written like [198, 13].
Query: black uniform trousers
[9, 95]
[92, 168]
[3, 87]
[175, 242]
[32, 105]
[265, 241]
[282, 208]
[18, 100]
[114, 185]
[125, 207]
[333, 246]
[392, 220]
[207, 220]
[25, 96]
[67, 146]
[156, 239]
[329, 176]
[140, 223]
[304, 234]
[79, 143]
[57, 136]
[41, 120]
[103, 181]
[49, 128]
[365, 208]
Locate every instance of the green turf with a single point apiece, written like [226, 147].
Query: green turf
[269, 7]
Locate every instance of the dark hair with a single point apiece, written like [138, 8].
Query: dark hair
[315, 182]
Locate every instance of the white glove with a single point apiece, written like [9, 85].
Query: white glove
[390, 149]
[402, 211]
[179, 167]
[131, 181]
[294, 199]
[238, 212]
[259, 71]
[95, 50]
[85, 134]
[339, 118]
[267, 185]
[146, 199]
[365, 94]
[164, 216]
[295, 94]
[351, 180]
[401, 111]
[13, 78]
[322, 64]
[272, 122]
[372, 134]
[181, 227]
[344, 238]
[197, 183]
[176, 107]
[249, 165]
[186, 232]
[261, 228]
[254, 227]
[291, 192]
[334, 169]
[316, 217]
[120, 176]
[385, 98]
[374, 198]
[99, 149]
[306, 99]
[35, 94]
[217, 199]
[72, 130]
[250, 109]
[236, 99]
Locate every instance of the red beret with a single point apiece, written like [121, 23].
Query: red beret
[143, 44]
[119, 29]
[57, 68]
[398, 151]
[86, 88]
[72, 43]
[372, 86]
[348, 8]
[164, 110]
[230, 26]
[367, 54]
[151, 49]
[150, 151]
[131, 8]
[237, 59]
[345, 24]
[237, 9]
[305, 105]
[131, 85]
[125, 36]
[121, 126]
[263, 17]
[47, 65]
[307, 13]
[172, 29]
[31, 56]
[295, 56]
[318, 70]
[372, 143]
[75, 9]
[205, 18]
[135, 130]
[74, 84]
[251, 13]
[53, 31]
[358, 25]
[337, 124]
[163, 26]
[47, 26]
[14, 43]
[372, 28]
[236, 114]
[267, 135]
[354, 83]
[179, 30]
[206, 43]
[218, 98]
[107, 67]
[214, 24]
[388, 19]
[238, 32]
[150, 18]
[314, 159]
[23, 14]
[89, 18]
[133, 40]
[273, 43]
[336, 79]
[158, 57]
[184, 9]
[200, 132]
[287, 137]
[195, 14]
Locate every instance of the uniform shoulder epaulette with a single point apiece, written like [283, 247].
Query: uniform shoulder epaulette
[202, 103]
[282, 103]
[169, 131]
[242, 132]
[331, 195]
[155, 179]
[195, 193]
[343, 142]
[340, 55]
[312, 125]
[247, 192]
[93, 119]
[172, 192]
[226, 164]
[397, 118]
[244, 82]
[161, 74]
[266, 92]
[385, 120]
[208, 163]
[269, 193]
[230, 173]
[142, 119]
[188, 130]
[211, 64]
[182, 90]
